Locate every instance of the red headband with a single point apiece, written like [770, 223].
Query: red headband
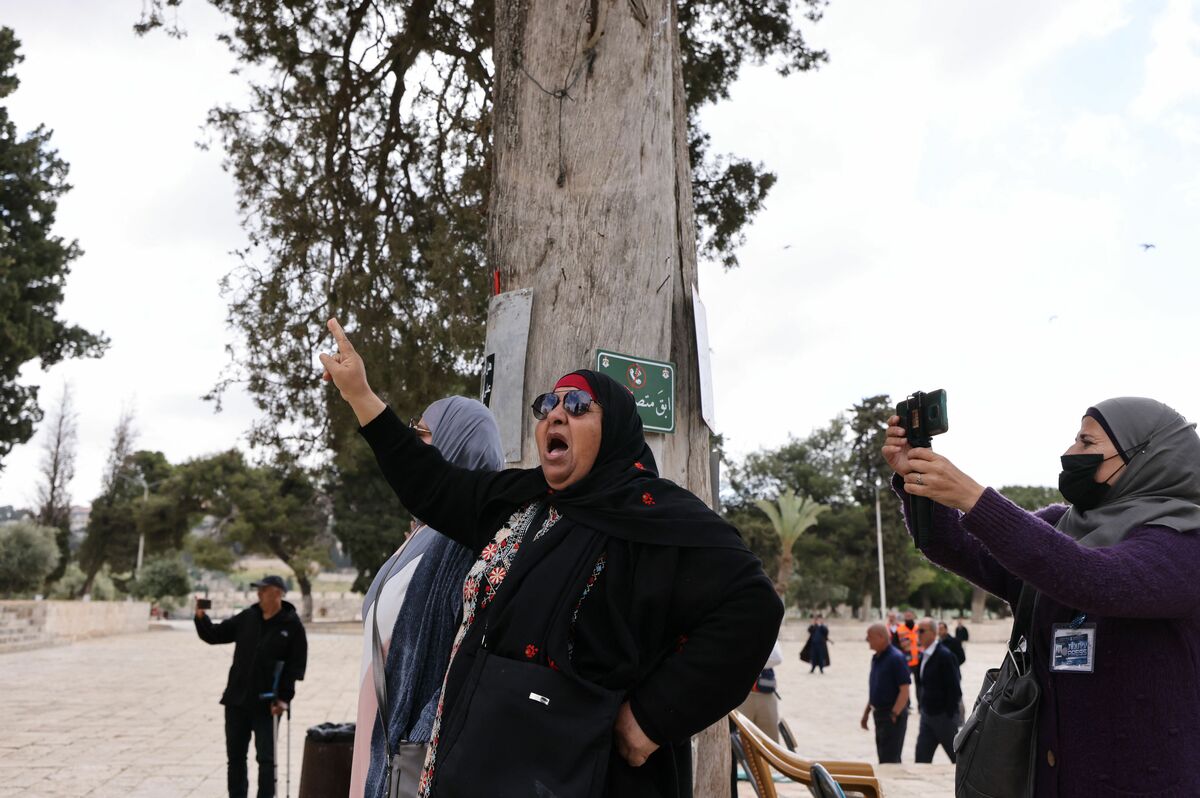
[577, 381]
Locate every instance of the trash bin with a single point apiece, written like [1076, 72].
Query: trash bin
[328, 756]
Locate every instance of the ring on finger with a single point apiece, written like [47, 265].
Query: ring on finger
[920, 480]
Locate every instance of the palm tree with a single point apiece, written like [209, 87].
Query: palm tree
[790, 515]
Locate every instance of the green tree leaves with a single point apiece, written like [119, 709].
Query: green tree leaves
[27, 554]
[34, 264]
[790, 515]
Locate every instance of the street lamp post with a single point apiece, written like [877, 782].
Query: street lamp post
[879, 546]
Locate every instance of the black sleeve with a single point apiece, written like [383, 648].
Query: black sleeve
[295, 663]
[215, 634]
[458, 502]
[721, 655]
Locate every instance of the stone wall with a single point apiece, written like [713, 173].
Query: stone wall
[30, 624]
[326, 606]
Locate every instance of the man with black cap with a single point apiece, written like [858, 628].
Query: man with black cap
[269, 657]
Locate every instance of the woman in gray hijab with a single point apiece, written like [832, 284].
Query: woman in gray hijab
[410, 615]
[1115, 631]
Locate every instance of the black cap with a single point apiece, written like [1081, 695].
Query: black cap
[270, 581]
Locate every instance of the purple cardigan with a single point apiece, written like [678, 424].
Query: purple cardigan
[1133, 726]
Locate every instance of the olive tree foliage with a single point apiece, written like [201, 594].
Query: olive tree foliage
[363, 163]
[162, 578]
[27, 554]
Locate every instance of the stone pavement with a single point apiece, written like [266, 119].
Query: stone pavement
[136, 716]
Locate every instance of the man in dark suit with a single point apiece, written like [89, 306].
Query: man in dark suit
[952, 643]
[939, 693]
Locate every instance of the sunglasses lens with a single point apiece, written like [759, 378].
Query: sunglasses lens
[543, 405]
[577, 402]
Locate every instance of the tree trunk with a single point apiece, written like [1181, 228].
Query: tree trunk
[306, 599]
[978, 597]
[591, 208]
[784, 575]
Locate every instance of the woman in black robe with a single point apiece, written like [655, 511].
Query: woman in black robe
[611, 615]
[818, 644]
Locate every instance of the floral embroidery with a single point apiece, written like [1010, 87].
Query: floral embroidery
[531, 651]
[597, 569]
[553, 665]
[479, 588]
[551, 520]
[647, 499]
[639, 466]
[680, 643]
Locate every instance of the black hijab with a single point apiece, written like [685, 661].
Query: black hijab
[624, 497]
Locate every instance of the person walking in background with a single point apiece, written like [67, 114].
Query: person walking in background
[944, 639]
[269, 656]
[817, 645]
[761, 707]
[415, 604]
[908, 641]
[939, 694]
[888, 694]
[960, 632]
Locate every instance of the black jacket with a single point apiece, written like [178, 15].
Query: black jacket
[939, 687]
[260, 645]
[955, 646]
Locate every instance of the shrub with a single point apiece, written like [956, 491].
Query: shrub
[28, 552]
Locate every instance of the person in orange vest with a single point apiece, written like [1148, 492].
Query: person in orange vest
[906, 639]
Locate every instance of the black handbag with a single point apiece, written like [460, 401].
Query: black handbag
[806, 652]
[523, 730]
[996, 748]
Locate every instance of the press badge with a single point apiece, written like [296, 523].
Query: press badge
[1073, 649]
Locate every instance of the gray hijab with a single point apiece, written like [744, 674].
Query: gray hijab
[465, 433]
[1160, 485]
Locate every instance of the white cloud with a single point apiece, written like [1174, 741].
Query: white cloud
[1172, 67]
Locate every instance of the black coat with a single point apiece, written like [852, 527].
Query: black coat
[680, 630]
[259, 646]
[955, 646]
[939, 688]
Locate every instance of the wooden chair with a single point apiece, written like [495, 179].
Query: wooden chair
[764, 754]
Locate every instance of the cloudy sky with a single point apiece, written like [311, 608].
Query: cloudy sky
[962, 194]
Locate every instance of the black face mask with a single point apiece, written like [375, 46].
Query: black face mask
[1077, 482]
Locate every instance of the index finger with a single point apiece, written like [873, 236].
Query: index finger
[339, 335]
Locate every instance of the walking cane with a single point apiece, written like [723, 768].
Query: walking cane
[287, 793]
[275, 732]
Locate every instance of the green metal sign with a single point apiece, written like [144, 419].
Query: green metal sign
[651, 382]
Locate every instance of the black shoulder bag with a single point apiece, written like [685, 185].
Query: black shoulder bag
[996, 748]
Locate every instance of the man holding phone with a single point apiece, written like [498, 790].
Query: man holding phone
[269, 657]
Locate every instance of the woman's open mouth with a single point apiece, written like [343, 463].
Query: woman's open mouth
[556, 445]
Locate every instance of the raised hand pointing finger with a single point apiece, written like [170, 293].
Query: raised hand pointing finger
[339, 337]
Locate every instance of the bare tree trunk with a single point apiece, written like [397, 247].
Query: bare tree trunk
[592, 210]
[58, 469]
[978, 597]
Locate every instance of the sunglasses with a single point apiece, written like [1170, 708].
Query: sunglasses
[415, 425]
[576, 402]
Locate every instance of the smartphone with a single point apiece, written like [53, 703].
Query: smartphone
[203, 604]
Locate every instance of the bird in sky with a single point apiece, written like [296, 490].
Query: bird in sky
[1146, 247]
